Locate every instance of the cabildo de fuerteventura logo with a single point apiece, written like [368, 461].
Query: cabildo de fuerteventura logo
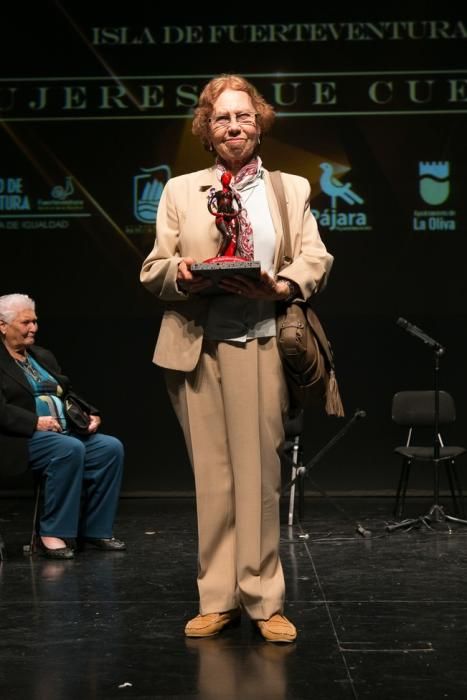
[434, 189]
[61, 200]
[21, 208]
[147, 191]
[345, 212]
[62, 192]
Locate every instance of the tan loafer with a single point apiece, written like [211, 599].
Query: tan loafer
[211, 624]
[277, 629]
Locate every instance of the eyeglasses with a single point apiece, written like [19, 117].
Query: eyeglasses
[223, 121]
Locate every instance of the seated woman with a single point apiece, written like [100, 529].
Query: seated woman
[83, 473]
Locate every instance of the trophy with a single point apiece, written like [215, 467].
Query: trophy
[225, 205]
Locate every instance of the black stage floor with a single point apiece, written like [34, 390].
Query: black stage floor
[379, 617]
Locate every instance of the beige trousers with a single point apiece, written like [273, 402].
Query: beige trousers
[231, 410]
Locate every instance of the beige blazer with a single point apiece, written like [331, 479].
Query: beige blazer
[185, 228]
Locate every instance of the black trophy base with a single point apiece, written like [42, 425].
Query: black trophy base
[218, 269]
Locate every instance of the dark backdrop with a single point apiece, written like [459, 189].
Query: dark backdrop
[95, 105]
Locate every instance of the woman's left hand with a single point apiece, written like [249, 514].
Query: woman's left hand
[94, 424]
[266, 288]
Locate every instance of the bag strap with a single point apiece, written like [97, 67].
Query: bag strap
[278, 187]
[320, 335]
[333, 403]
[313, 319]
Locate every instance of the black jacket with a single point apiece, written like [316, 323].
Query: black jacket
[18, 417]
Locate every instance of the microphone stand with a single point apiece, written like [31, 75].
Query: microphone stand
[436, 512]
[302, 472]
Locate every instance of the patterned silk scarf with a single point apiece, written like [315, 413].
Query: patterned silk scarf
[244, 177]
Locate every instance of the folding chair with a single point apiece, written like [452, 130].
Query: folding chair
[416, 410]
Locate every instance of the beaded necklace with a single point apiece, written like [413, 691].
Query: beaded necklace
[28, 368]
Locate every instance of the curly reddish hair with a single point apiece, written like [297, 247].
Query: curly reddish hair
[228, 81]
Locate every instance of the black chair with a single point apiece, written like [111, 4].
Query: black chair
[416, 410]
[292, 451]
[32, 547]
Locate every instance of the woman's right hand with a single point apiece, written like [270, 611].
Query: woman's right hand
[48, 423]
[187, 281]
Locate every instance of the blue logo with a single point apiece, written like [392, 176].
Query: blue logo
[61, 193]
[434, 182]
[335, 189]
[331, 218]
[147, 191]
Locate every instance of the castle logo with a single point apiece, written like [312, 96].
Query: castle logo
[434, 182]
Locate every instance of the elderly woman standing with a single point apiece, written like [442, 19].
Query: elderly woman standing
[34, 432]
[223, 371]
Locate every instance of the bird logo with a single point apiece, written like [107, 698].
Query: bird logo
[331, 186]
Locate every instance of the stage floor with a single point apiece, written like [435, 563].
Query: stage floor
[380, 617]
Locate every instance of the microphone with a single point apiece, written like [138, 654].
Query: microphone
[418, 333]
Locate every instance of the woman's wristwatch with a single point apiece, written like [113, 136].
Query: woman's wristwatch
[294, 289]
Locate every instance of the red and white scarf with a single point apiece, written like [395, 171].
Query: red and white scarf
[245, 176]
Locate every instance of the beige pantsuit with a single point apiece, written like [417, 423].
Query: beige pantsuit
[231, 412]
[229, 398]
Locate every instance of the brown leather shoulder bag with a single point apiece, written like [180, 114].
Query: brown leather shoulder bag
[305, 350]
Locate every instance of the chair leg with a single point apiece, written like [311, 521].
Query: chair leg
[296, 462]
[458, 487]
[408, 467]
[35, 517]
[449, 474]
[402, 488]
[398, 492]
[2, 549]
[301, 496]
[292, 496]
